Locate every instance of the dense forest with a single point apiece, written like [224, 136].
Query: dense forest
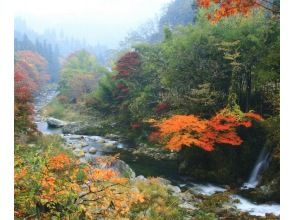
[194, 100]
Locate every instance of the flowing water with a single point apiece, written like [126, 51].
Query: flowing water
[256, 209]
[260, 165]
[147, 166]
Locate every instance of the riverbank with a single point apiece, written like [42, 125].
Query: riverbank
[195, 196]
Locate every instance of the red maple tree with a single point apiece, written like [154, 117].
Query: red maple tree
[226, 8]
[190, 130]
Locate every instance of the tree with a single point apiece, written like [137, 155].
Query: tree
[189, 130]
[79, 74]
[29, 75]
[226, 8]
[51, 184]
[44, 49]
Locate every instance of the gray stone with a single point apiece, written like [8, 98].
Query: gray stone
[163, 181]
[174, 189]
[79, 153]
[112, 136]
[72, 128]
[92, 150]
[187, 205]
[101, 141]
[140, 178]
[75, 137]
[55, 123]
[124, 169]
[110, 144]
[119, 166]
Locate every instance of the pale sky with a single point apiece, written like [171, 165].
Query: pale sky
[106, 21]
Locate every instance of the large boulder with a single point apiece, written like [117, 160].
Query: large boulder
[124, 169]
[117, 165]
[92, 150]
[55, 123]
[81, 128]
[72, 128]
[269, 192]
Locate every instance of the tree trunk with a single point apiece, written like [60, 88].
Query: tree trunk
[248, 90]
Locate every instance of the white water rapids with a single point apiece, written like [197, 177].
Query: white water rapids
[260, 165]
[205, 189]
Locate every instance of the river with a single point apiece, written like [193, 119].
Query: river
[143, 165]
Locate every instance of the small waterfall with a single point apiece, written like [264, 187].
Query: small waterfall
[260, 165]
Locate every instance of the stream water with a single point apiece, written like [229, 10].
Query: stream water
[260, 165]
[147, 166]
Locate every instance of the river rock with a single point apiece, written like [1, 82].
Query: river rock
[174, 189]
[101, 141]
[83, 128]
[84, 144]
[92, 150]
[156, 153]
[163, 181]
[269, 192]
[72, 128]
[79, 153]
[124, 169]
[75, 137]
[55, 123]
[112, 136]
[140, 178]
[117, 165]
[186, 205]
[110, 144]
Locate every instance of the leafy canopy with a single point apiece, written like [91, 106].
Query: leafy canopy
[190, 130]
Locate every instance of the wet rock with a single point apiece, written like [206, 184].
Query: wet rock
[101, 141]
[110, 144]
[55, 123]
[140, 178]
[156, 153]
[269, 192]
[187, 205]
[75, 137]
[72, 128]
[92, 150]
[79, 153]
[117, 165]
[163, 181]
[83, 128]
[174, 189]
[124, 169]
[84, 144]
[112, 136]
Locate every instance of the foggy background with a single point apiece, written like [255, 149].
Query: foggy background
[104, 22]
[57, 28]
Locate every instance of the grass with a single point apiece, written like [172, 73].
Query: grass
[66, 112]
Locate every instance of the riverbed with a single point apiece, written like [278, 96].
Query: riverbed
[94, 146]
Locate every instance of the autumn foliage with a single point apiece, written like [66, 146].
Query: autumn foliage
[33, 66]
[228, 8]
[127, 64]
[190, 130]
[126, 68]
[64, 187]
[29, 75]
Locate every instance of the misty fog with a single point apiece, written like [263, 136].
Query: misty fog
[92, 21]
